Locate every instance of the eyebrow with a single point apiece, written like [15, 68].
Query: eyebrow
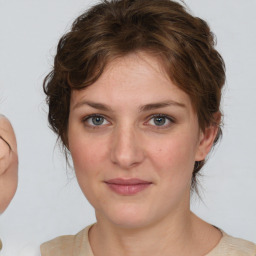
[163, 104]
[6, 142]
[144, 108]
[93, 105]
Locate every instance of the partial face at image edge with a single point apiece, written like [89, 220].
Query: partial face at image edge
[8, 163]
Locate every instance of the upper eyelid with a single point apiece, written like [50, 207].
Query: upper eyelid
[93, 115]
[162, 115]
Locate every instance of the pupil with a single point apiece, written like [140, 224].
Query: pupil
[97, 120]
[159, 121]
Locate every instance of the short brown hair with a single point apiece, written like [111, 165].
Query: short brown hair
[114, 28]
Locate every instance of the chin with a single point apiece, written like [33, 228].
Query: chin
[128, 216]
[126, 222]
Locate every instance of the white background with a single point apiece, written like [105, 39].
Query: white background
[48, 201]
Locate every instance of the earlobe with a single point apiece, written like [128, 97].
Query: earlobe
[207, 138]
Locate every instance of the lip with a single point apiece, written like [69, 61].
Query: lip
[127, 187]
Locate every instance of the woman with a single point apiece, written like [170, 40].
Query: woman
[134, 96]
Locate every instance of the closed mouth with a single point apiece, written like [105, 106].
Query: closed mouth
[127, 187]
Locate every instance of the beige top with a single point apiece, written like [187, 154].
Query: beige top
[78, 245]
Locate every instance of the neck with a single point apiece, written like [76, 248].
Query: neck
[167, 237]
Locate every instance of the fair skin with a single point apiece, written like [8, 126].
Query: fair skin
[8, 163]
[134, 137]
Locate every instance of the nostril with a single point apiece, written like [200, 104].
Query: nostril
[127, 157]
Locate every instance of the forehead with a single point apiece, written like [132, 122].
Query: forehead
[140, 76]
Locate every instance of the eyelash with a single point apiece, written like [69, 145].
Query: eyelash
[85, 121]
[168, 118]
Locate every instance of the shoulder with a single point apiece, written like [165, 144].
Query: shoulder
[68, 245]
[232, 246]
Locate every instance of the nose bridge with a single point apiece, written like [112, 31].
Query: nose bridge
[126, 150]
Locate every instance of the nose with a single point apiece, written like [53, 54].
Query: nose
[126, 149]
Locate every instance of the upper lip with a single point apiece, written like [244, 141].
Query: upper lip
[122, 181]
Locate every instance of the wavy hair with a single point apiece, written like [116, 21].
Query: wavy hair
[114, 28]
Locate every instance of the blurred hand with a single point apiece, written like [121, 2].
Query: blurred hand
[8, 163]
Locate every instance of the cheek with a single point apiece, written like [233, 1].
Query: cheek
[174, 157]
[89, 159]
[87, 154]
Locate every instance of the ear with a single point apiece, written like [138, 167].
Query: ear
[207, 137]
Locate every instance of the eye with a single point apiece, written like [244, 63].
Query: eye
[95, 120]
[160, 120]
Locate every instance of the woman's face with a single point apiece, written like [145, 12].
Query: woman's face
[8, 163]
[134, 137]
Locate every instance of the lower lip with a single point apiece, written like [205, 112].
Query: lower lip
[128, 190]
